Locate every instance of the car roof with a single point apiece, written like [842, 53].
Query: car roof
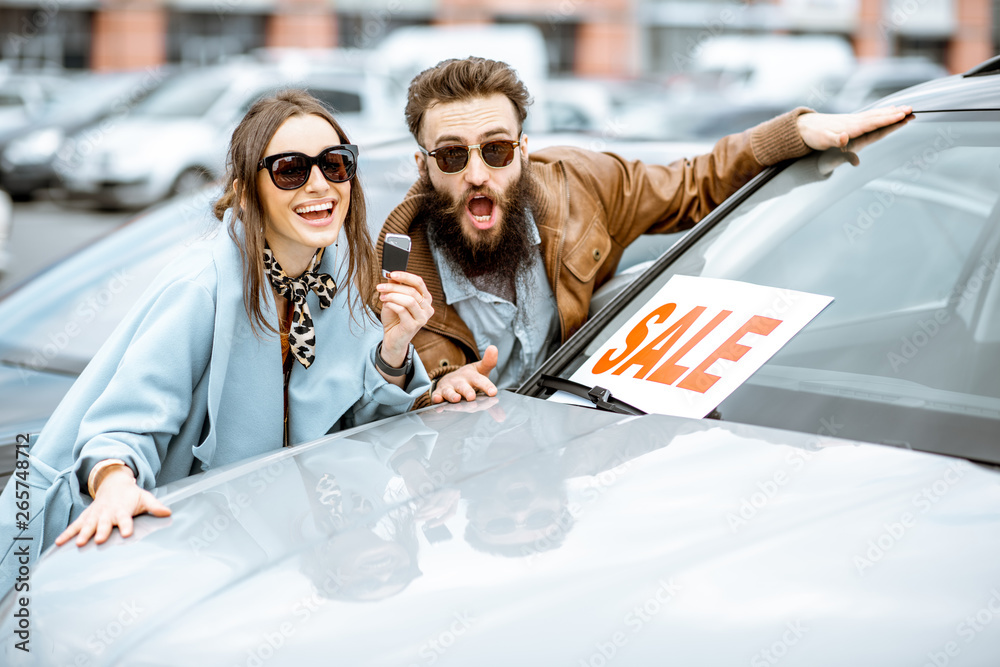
[977, 89]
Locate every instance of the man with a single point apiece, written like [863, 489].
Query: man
[512, 248]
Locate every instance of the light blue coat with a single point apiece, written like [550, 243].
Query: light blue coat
[183, 385]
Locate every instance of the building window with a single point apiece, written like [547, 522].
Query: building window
[366, 31]
[934, 50]
[43, 37]
[202, 38]
[559, 33]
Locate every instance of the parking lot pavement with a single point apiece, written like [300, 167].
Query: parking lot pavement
[42, 232]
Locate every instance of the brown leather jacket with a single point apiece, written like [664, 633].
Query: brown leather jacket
[588, 207]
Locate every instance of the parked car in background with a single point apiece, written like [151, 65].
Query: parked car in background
[732, 82]
[843, 508]
[23, 95]
[784, 70]
[30, 150]
[699, 118]
[175, 140]
[596, 106]
[714, 101]
[6, 217]
[875, 79]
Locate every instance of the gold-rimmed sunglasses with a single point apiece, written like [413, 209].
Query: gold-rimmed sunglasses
[496, 154]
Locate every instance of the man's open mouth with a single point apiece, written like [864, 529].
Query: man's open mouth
[482, 211]
[315, 211]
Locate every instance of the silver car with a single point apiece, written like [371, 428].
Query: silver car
[841, 507]
[175, 139]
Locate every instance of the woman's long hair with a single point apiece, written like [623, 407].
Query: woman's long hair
[250, 140]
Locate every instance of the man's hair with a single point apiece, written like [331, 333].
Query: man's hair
[460, 80]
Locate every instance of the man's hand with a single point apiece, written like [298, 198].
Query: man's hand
[118, 499]
[437, 507]
[467, 380]
[821, 131]
[830, 160]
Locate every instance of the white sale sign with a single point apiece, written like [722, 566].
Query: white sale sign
[695, 342]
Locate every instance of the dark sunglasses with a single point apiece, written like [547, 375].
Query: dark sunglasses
[454, 159]
[291, 170]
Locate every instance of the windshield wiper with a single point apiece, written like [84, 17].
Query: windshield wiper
[599, 396]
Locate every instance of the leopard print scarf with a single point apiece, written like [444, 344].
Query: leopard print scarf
[301, 336]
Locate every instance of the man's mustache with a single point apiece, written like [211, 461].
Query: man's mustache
[497, 198]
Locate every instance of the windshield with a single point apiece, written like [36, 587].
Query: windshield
[185, 96]
[94, 95]
[907, 242]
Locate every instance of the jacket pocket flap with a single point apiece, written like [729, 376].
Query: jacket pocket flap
[589, 253]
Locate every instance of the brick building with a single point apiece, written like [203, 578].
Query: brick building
[586, 37]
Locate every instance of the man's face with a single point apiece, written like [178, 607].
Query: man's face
[478, 187]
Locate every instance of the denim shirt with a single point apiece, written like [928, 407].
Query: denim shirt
[524, 333]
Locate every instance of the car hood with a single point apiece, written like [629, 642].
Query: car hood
[709, 542]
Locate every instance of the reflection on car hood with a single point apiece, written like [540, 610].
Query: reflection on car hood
[573, 537]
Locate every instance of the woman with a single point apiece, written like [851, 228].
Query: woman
[196, 376]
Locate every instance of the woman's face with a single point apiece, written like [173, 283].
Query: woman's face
[292, 231]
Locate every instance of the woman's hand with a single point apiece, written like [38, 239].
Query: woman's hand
[406, 308]
[118, 499]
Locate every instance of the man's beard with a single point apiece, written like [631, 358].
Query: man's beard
[493, 263]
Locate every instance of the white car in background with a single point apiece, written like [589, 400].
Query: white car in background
[175, 140]
[783, 70]
[874, 79]
[24, 94]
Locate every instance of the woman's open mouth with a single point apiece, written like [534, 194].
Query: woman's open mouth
[316, 214]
